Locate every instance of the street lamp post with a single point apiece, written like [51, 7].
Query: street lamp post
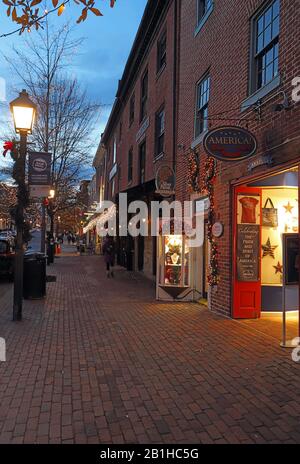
[23, 111]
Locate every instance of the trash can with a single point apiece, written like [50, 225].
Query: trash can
[34, 281]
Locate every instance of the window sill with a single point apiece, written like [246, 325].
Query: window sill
[261, 93]
[197, 141]
[158, 157]
[160, 71]
[203, 20]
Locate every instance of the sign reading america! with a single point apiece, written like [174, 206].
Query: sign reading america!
[230, 143]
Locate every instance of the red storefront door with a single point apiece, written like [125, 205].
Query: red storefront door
[247, 254]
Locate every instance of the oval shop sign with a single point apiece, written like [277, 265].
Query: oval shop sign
[230, 143]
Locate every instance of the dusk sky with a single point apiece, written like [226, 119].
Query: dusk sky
[100, 63]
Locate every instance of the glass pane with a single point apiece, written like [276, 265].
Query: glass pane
[269, 73]
[276, 49]
[268, 16]
[205, 120]
[267, 36]
[275, 72]
[275, 8]
[269, 57]
[260, 43]
[275, 27]
[260, 25]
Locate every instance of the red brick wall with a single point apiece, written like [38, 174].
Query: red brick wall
[223, 48]
[160, 92]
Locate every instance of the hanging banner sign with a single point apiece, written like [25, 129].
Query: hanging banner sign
[165, 181]
[39, 169]
[39, 191]
[230, 143]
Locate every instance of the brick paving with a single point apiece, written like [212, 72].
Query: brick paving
[99, 361]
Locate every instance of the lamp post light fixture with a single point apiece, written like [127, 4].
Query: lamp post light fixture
[24, 113]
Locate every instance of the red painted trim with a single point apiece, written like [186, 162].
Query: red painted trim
[238, 287]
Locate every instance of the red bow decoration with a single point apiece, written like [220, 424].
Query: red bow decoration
[8, 146]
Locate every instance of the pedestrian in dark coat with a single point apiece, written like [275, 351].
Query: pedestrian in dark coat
[109, 255]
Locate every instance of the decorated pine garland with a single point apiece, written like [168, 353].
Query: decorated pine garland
[208, 189]
[193, 174]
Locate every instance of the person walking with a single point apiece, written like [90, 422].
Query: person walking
[109, 255]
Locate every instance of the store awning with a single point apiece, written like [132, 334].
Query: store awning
[99, 220]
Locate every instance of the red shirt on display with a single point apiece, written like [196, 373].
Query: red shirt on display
[248, 210]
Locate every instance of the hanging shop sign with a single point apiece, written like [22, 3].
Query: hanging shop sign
[217, 229]
[165, 181]
[261, 161]
[230, 143]
[39, 168]
[248, 253]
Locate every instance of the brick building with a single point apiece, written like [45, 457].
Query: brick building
[140, 135]
[237, 63]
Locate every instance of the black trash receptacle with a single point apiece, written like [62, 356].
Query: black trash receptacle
[34, 281]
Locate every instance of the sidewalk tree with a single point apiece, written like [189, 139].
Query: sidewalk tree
[29, 14]
[66, 117]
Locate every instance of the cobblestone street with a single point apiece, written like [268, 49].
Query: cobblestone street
[99, 361]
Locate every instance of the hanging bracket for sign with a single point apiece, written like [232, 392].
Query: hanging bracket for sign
[230, 143]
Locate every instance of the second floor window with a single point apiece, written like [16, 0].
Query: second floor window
[159, 132]
[266, 45]
[202, 8]
[144, 95]
[142, 162]
[162, 52]
[131, 109]
[130, 165]
[202, 99]
[115, 150]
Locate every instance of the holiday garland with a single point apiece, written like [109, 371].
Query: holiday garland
[208, 188]
[193, 174]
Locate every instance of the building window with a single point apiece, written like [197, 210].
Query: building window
[144, 95]
[131, 109]
[115, 150]
[113, 188]
[159, 132]
[120, 131]
[142, 162]
[203, 6]
[162, 51]
[202, 96]
[265, 46]
[130, 165]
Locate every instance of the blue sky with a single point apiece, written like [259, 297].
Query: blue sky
[101, 61]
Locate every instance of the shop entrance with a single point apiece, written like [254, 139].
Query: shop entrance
[264, 209]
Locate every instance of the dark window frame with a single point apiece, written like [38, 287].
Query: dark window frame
[160, 116]
[131, 109]
[130, 165]
[161, 52]
[259, 56]
[203, 89]
[142, 162]
[144, 95]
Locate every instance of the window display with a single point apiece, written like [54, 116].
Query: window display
[176, 260]
[284, 200]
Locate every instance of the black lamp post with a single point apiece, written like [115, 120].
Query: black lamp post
[23, 111]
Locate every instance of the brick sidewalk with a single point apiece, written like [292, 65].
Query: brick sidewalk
[99, 361]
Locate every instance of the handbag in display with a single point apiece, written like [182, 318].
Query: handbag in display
[269, 214]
